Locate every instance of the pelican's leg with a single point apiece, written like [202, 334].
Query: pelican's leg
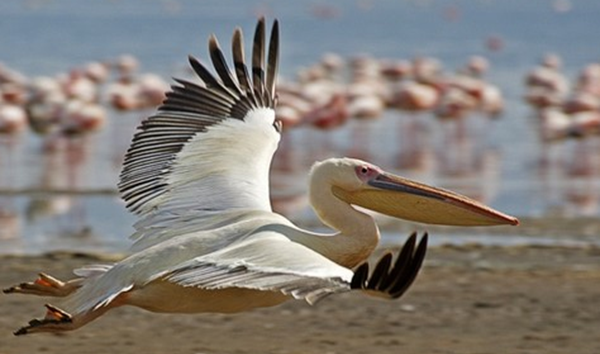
[46, 285]
[55, 320]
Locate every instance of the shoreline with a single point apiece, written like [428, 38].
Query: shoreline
[581, 232]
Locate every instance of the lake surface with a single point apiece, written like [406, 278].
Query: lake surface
[499, 163]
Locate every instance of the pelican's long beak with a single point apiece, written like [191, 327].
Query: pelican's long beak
[400, 197]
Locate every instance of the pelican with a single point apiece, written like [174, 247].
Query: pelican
[207, 239]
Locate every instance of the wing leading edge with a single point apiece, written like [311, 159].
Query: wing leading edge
[210, 145]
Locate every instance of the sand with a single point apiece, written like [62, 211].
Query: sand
[467, 299]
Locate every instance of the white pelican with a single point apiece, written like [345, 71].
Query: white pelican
[207, 241]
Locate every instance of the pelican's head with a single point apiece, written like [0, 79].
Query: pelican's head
[361, 183]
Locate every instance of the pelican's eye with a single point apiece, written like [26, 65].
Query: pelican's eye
[365, 172]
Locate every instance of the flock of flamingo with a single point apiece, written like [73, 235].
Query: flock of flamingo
[68, 110]
[74, 103]
[567, 116]
[323, 96]
[65, 110]
[564, 109]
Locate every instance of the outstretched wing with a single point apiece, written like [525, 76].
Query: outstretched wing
[210, 145]
[273, 263]
[267, 261]
[392, 280]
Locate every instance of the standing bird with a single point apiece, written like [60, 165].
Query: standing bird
[208, 241]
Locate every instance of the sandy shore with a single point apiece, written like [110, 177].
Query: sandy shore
[466, 300]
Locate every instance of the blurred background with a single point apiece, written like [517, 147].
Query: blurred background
[498, 100]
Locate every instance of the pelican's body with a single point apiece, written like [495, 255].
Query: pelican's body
[166, 257]
[207, 239]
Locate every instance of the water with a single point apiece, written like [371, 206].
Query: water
[47, 37]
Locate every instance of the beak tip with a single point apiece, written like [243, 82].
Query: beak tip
[508, 220]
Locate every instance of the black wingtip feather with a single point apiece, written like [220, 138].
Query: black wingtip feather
[359, 280]
[273, 60]
[239, 64]
[208, 78]
[409, 273]
[258, 59]
[401, 264]
[393, 283]
[380, 272]
[220, 64]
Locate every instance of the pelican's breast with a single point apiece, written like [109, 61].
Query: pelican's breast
[167, 297]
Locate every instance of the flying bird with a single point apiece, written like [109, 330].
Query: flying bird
[207, 240]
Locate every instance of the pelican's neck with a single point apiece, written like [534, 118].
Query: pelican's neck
[358, 233]
[338, 214]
